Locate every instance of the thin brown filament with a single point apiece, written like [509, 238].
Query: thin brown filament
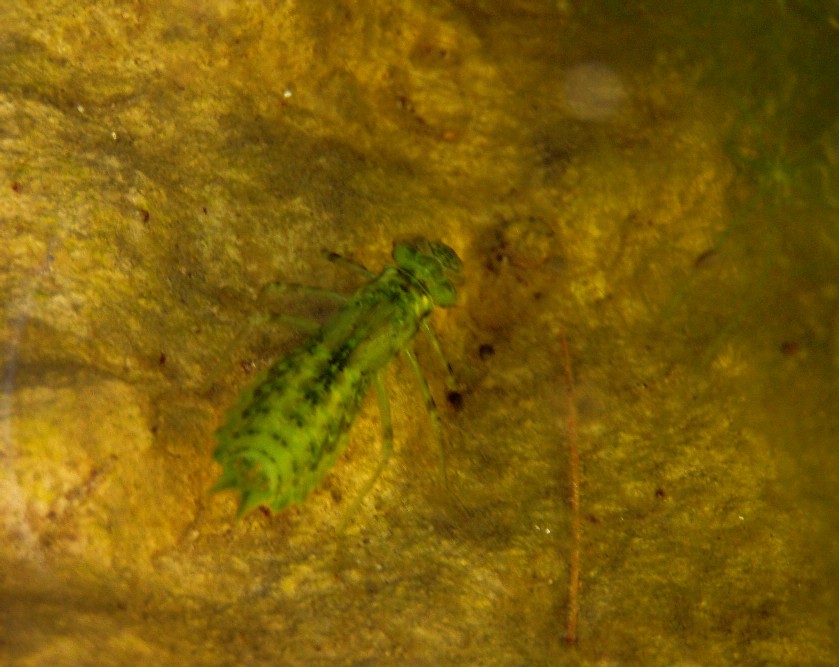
[574, 478]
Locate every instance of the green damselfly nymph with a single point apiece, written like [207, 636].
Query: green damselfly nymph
[290, 425]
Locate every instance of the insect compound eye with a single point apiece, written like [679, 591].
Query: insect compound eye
[443, 293]
[434, 264]
[405, 255]
[428, 255]
[448, 260]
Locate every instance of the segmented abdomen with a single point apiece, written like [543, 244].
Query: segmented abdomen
[288, 427]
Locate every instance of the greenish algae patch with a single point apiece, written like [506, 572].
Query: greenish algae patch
[165, 163]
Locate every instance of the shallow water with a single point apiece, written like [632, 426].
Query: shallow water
[657, 188]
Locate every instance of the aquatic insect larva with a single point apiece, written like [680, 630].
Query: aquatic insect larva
[289, 426]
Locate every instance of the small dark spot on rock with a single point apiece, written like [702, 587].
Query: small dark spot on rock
[485, 351]
[455, 399]
[705, 258]
[789, 348]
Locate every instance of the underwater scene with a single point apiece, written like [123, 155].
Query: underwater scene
[423, 333]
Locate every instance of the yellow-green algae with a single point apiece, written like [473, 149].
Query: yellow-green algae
[161, 162]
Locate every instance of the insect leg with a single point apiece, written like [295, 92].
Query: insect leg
[438, 351]
[275, 288]
[259, 319]
[348, 264]
[387, 450]
[244, 331]
[303, 323]
[431, 406]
